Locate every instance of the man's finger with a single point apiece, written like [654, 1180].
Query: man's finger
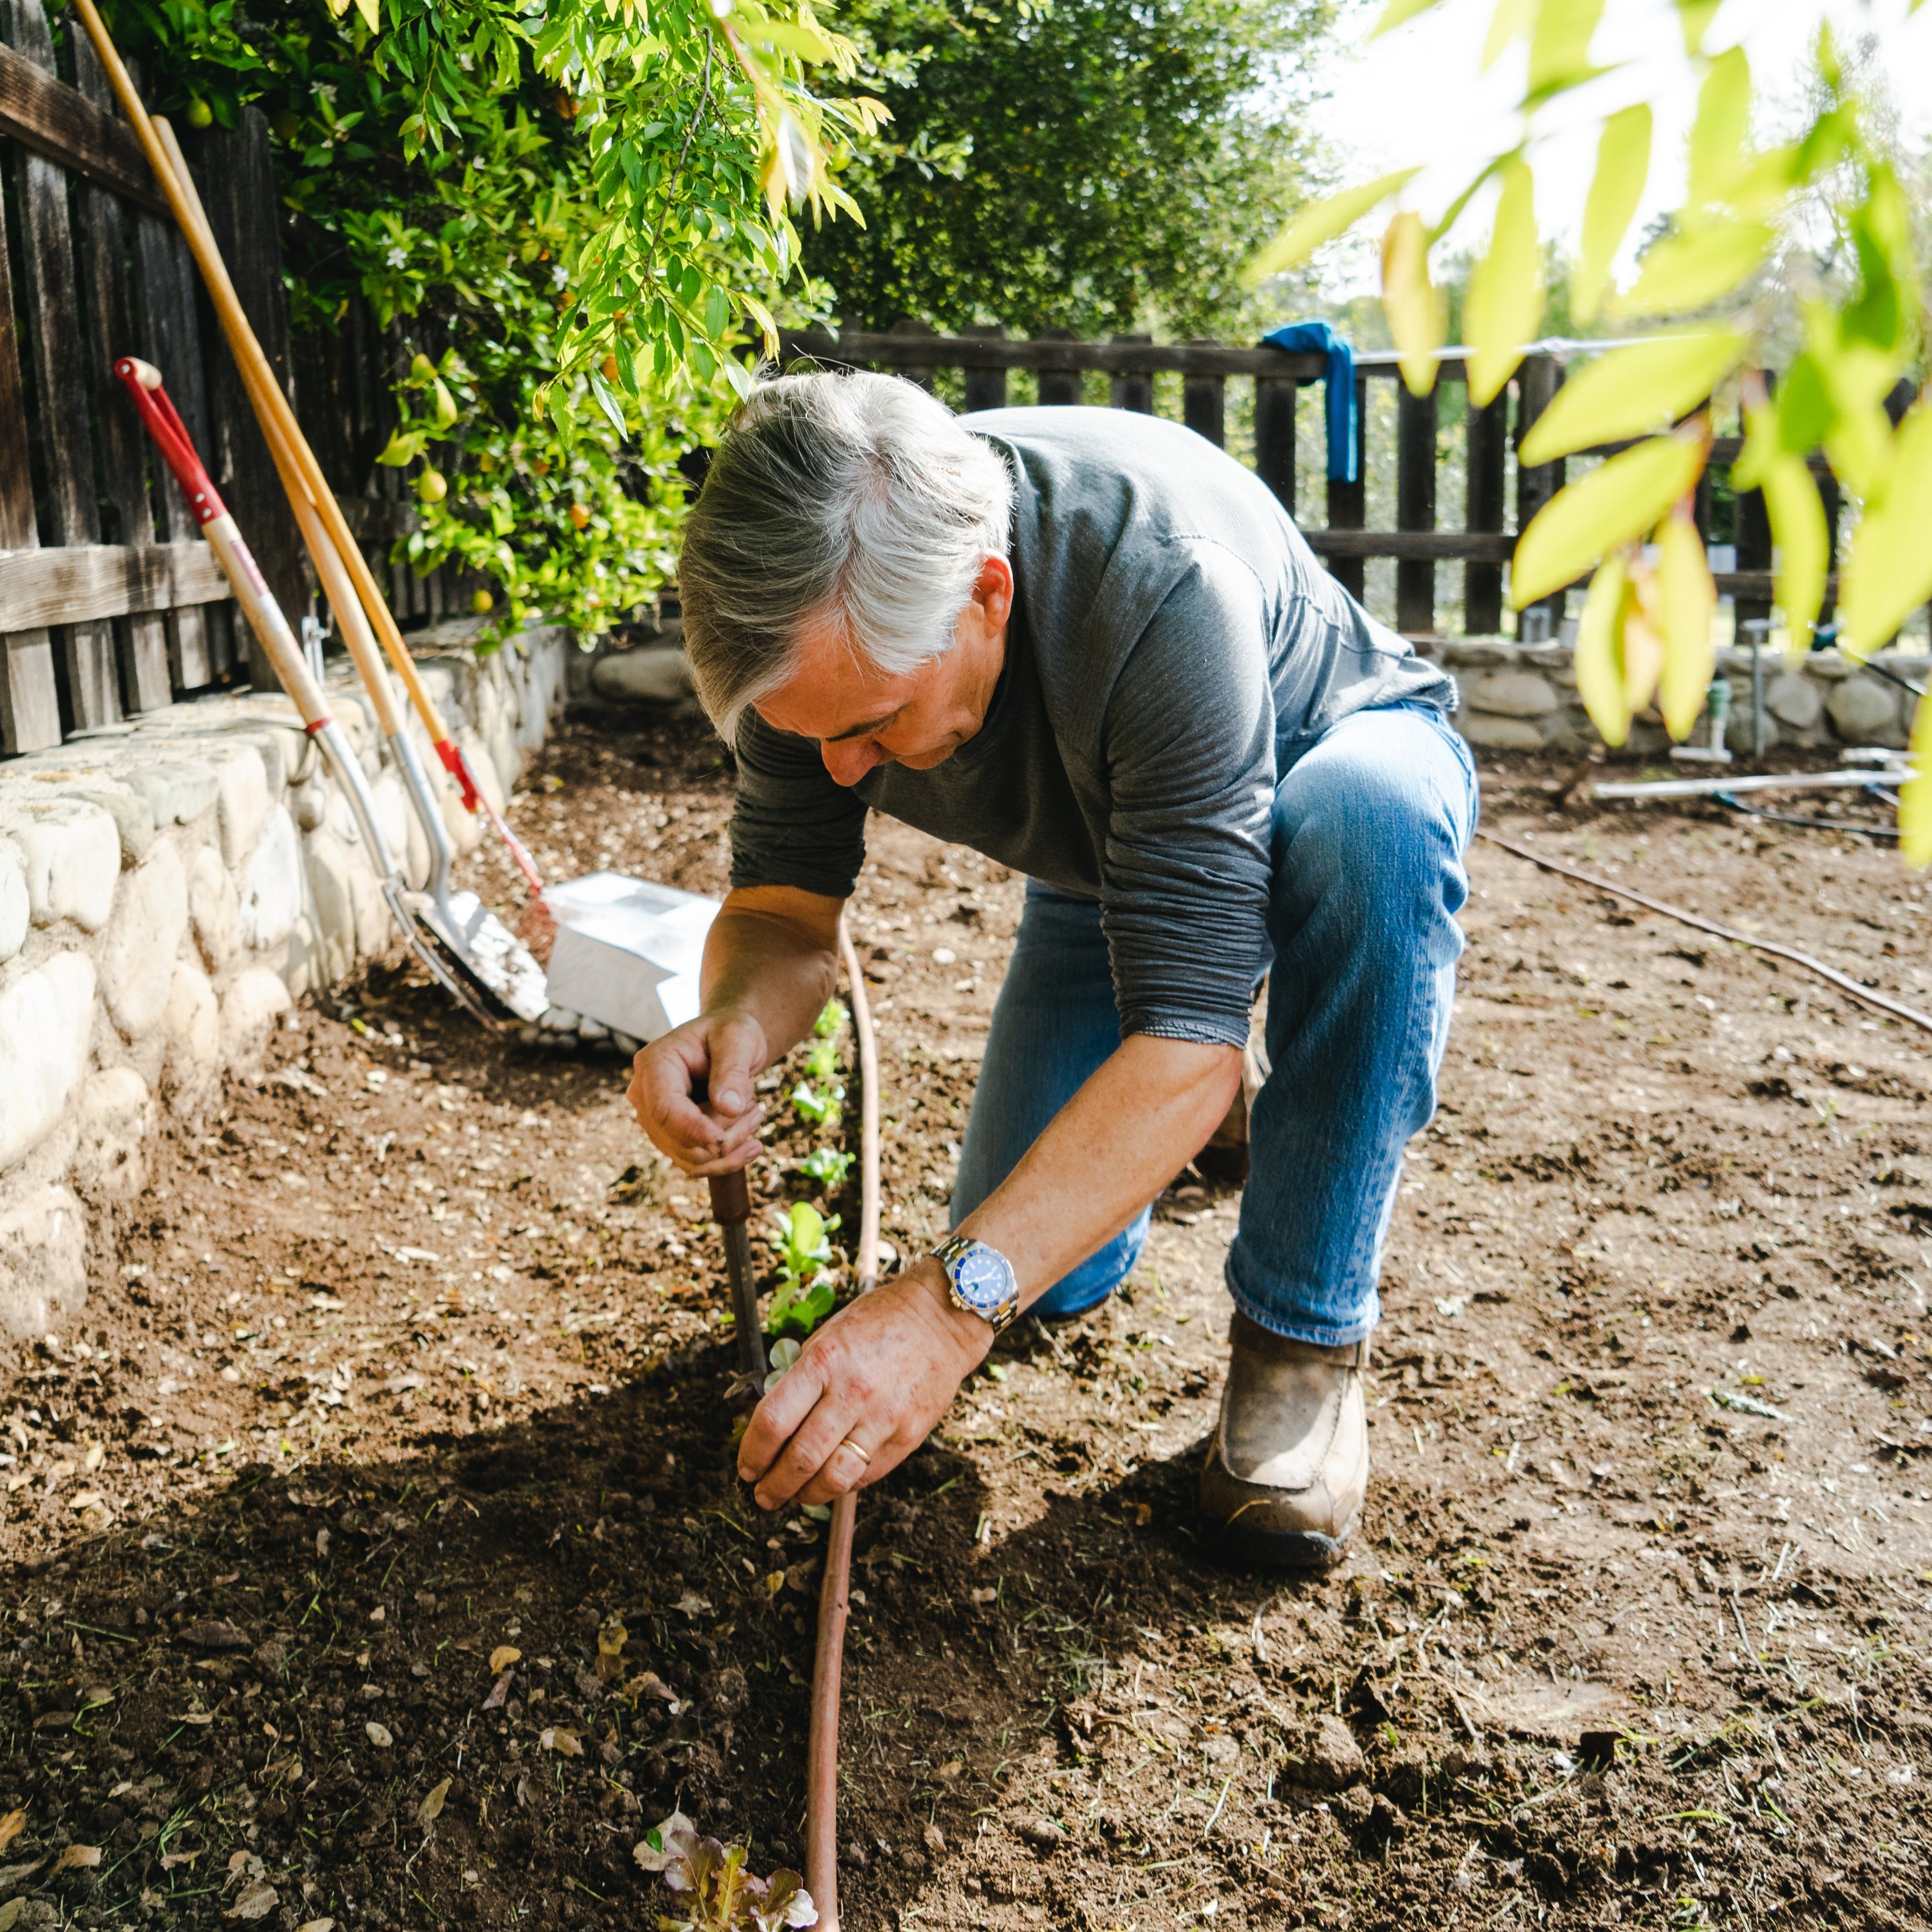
[737, 1053]
[811, 1447]
[776, 1417]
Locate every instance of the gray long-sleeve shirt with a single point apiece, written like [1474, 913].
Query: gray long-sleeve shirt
[1174, 643]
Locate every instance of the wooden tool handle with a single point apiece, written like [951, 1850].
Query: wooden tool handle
[731, 1199]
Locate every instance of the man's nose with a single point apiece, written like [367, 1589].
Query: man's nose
[849, 761]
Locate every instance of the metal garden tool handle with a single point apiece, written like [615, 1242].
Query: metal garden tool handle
[731, 1209]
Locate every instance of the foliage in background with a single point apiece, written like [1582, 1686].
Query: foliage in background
[573, 213]
[1096, 165]
[1645, 630]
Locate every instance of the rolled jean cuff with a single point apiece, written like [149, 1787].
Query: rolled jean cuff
[1316, 1335]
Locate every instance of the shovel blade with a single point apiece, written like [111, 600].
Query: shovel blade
[499, 962]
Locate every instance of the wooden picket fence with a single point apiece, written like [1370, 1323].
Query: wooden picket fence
[110, 603]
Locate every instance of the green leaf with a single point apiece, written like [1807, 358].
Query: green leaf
[1614, 504]
[1417, 312]
[1633, 391]
[1623, 167]
[1802, 542]
[1687, 601]
[1695, 17]
[1322, 223]
[404, 446]
[1915, 798]
[1599, 659]
[1505, 301]
[1691, 269]
[1723, 120]
[1559, 46]
[1511, 19]
[371, 14]
[1399, 13]
[1888, 570]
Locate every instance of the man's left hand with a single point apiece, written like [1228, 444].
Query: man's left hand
[878, 1375]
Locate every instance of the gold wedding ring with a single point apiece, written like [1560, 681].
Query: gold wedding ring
[863, 1455]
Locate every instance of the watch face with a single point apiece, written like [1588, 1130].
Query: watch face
[984, 1279]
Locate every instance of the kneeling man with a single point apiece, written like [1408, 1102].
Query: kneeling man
[1088, 644]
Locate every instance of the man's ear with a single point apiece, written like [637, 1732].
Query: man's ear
[993, 591]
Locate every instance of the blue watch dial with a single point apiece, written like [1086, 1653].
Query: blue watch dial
[984, 1279]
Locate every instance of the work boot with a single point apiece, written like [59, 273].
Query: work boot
[1289, 1463]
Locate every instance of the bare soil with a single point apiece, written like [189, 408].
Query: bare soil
[413, 1353]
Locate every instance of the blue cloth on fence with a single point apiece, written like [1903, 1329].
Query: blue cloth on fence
[1317, 338]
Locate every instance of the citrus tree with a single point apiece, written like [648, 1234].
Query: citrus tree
[576, 214]
[1645, 632]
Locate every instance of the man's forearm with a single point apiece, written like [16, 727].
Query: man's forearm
[771, 959]
[1143, 1115]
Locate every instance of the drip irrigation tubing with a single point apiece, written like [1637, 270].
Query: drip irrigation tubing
[1731, 801]
[1883, 1002]
[821, 1763]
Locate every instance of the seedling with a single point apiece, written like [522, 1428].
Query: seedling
[805, 1296]
[818, 1096]
[827, 1166]
[823, 1109]
[715, 1891]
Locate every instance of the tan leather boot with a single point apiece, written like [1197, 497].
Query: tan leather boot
[1289, 1463]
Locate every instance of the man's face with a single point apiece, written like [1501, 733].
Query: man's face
[863, 718]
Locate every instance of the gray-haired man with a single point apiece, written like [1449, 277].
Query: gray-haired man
[1090, 646]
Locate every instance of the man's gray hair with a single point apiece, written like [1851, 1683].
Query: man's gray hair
[854, 497]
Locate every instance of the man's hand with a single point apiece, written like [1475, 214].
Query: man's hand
[879, 1374]
[727, 1051]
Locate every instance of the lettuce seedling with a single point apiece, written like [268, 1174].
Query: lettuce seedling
[715, 1892]
[827, 1166]
[823, 1109]
[805, 1295]
[831, 1021]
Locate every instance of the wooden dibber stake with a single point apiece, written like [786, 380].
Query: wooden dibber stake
[266, 394]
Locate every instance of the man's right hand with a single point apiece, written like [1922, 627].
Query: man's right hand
[725, 1053]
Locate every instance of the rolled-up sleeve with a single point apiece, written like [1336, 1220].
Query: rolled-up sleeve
[794, 825]
[1189, 743]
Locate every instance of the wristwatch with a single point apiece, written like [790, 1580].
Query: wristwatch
[979, 1278]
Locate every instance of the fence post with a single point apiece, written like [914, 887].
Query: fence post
[1415, 508]
[1204, 404]
[142, 638]
[906, 326]
[1348, 503]
[1275, 398]
[237, 180]
[1132, 388]
[1537, 382]
[985, 388]
[1059, 387]
[1487, 433]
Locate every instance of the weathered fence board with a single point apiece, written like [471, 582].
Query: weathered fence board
[92, 582]
[72, 131]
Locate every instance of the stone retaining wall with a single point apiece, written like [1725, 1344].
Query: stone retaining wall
[170, 885]
[1522, 697]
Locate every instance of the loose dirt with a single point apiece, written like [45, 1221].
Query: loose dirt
[372, 1552]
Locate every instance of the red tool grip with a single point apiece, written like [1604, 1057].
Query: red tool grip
[171, 437]
[458, 766]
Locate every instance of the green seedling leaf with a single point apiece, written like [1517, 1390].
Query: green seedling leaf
[1623, 167]
[831, 1021]
[828, 1167]
[1687, 601]
[1323, 223]
[1889, 569]
[1634, 391]
[1505, 305]
[1613, 505]
[1418, 314]
[1692, 269]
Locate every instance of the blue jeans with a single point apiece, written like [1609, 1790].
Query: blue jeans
[1370, 825]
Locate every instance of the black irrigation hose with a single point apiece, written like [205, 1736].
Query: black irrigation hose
[1737, 804]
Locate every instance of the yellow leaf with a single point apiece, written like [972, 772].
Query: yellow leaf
[1613, 505]
[1623, 167]
[610, 1639]
[1399, 13]
[565, 1743]
[1687, 600]
[1641, 647]
[1803, 544]
[1559, 47]
[11, 1826]
[371, 10]
[1599, 659]
[1322, 223]
[431, 1809]
[1417, 313]
[1633, 391]
[1505, 304]
[1695, 17]
[1724, 119]
[1888, 569]
[1690, 270]
[502, 1657]
[1915, 798]
[1511, 19]
[78, 1857]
